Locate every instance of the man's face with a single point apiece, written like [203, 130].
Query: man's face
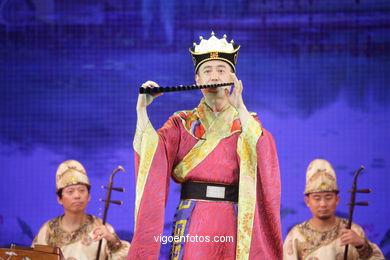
[75, 198]
[214, 72]
[322, 204]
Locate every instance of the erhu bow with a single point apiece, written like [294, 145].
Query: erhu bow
[352, 203]
[108, 201]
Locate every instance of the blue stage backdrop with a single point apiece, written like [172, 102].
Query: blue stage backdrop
[316, 72]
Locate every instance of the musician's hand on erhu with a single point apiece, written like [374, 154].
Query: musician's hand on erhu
[101, 232]
[349, 237]
[235, 98]
[145, 100]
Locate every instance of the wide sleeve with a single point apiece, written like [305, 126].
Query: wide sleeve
[40, 238]
[267, 235]
[290, 250]
[117, 249]
[155, 153]
[376, 252]
[369, 250]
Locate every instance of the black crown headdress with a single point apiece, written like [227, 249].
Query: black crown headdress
[214, 49]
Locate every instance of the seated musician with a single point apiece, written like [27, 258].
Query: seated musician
[75, 232]
[324, 236]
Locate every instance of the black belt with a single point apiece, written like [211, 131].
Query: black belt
[209, 191]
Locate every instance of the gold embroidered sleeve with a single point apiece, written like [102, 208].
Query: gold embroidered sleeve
[145, 145]
[365, 252]
[116, 248]
[252, 130]
[115, 244]
[246, 149]
[41, 236]
[139, 134]
[290, 250]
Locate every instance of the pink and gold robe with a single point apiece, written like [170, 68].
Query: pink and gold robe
[221, 152]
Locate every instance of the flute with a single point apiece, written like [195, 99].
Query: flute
[180, 88]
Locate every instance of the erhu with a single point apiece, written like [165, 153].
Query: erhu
[180, 88]
[108, 201]
[352, 203]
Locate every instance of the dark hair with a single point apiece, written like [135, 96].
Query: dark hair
[59, 192]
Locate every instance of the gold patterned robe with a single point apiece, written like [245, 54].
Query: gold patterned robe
[304, 242]
[78, 245]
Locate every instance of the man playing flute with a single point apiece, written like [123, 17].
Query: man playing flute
[225, 162]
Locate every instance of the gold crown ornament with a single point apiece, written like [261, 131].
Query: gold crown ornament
[214, 49]
[320, 177]
[71, 172]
